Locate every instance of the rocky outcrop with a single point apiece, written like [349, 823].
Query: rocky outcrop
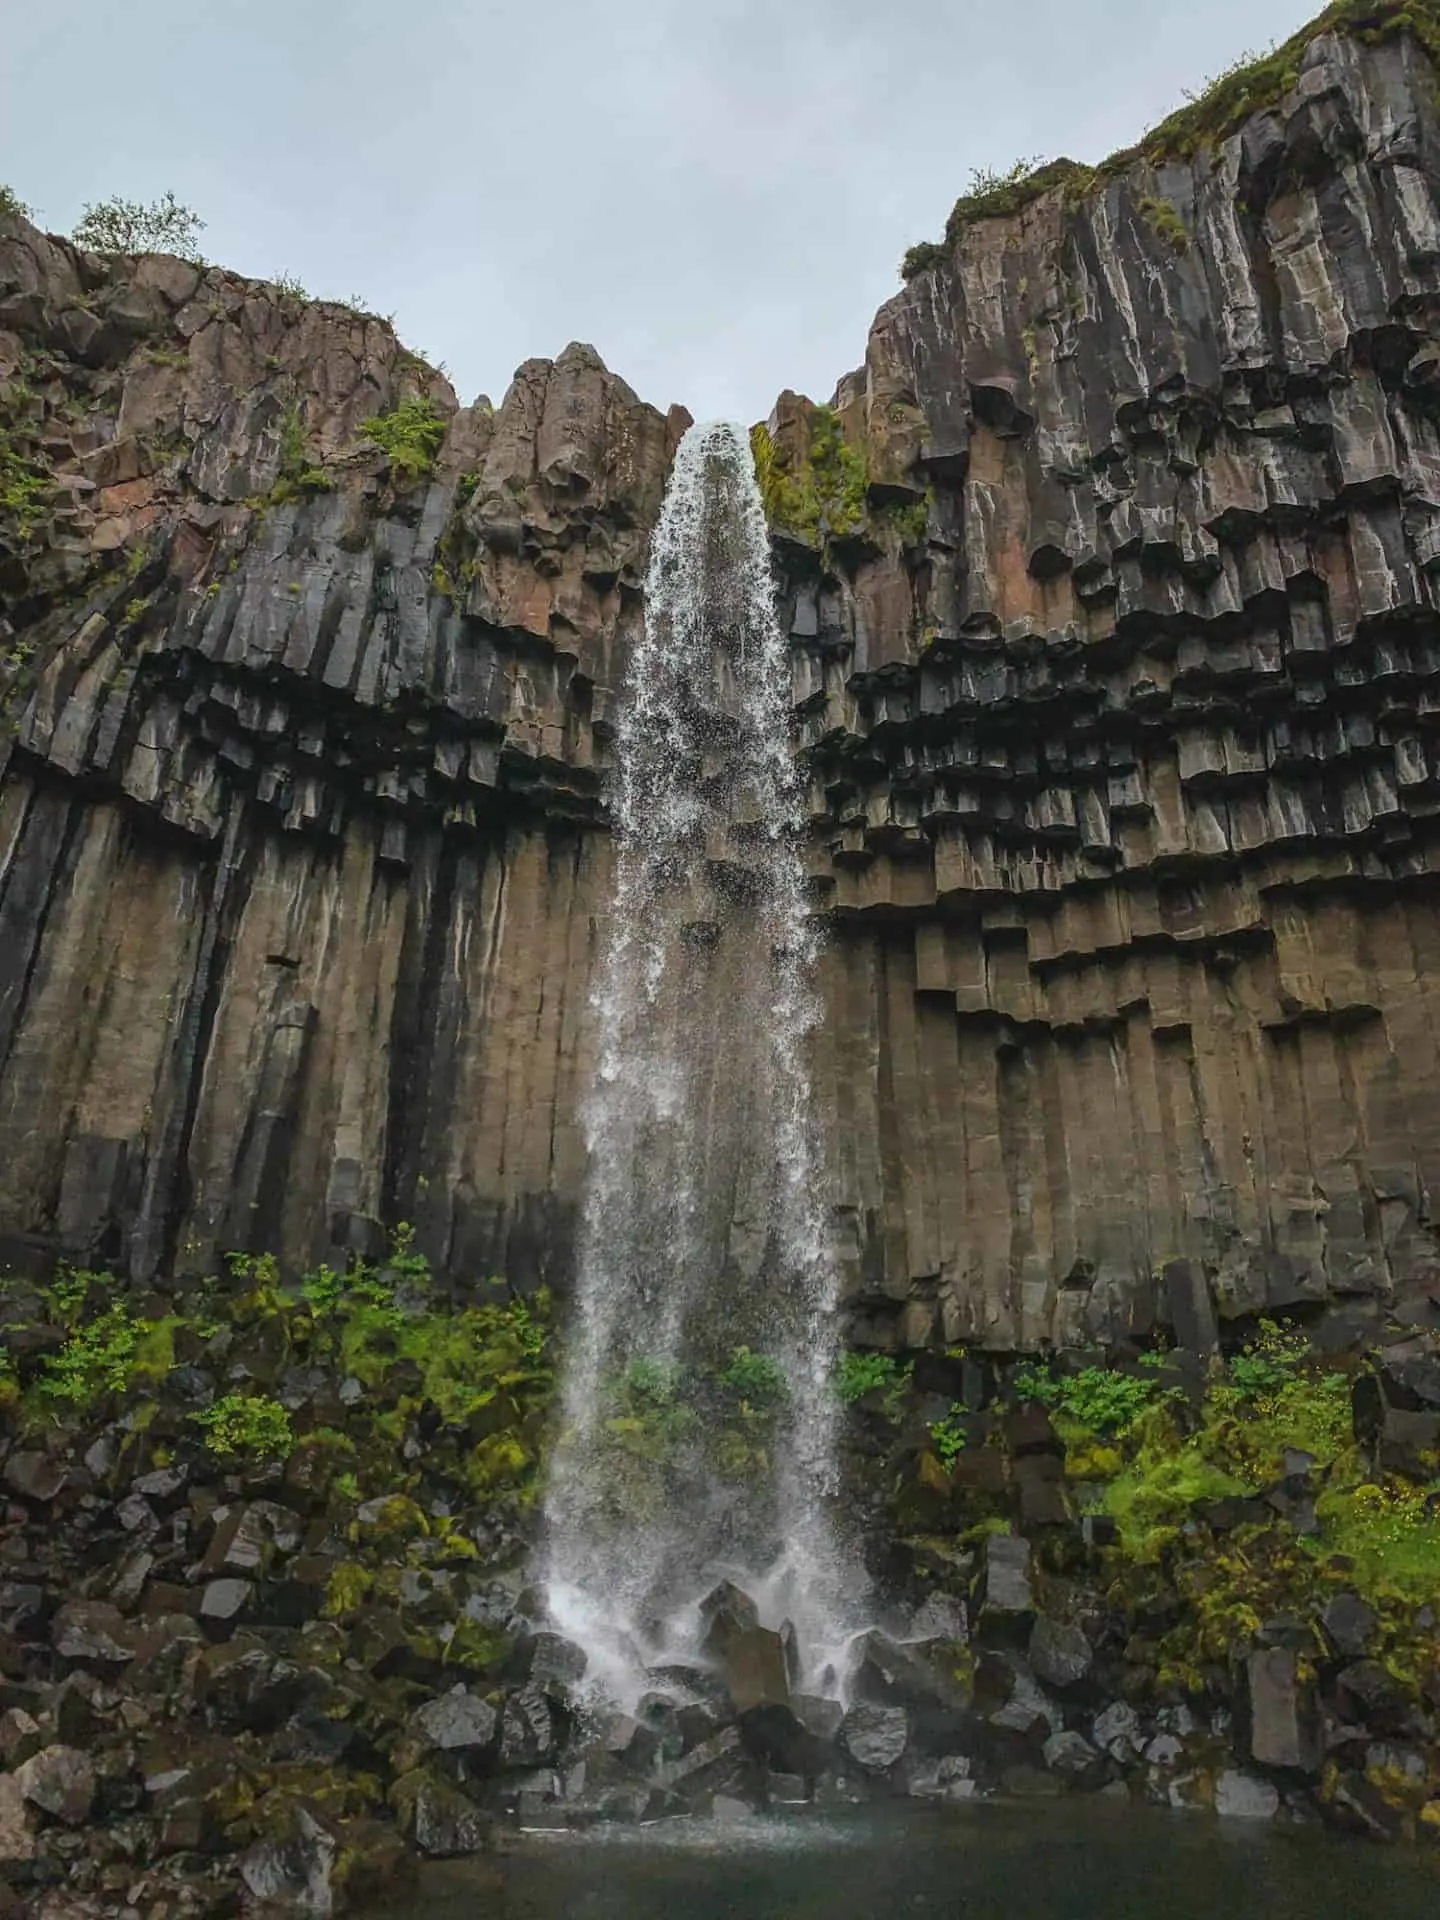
[1110, 579]
[295, 876]
[1118, 689]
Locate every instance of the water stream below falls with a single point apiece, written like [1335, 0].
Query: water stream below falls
[699, 1417]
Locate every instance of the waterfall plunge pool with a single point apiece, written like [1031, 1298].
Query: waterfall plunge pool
[1060, 1861]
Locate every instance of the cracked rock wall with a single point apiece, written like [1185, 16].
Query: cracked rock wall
[1117, 692]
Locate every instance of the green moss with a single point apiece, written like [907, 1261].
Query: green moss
[348, 1589]
[823, 497]
[1217, 110]
[1162, 219]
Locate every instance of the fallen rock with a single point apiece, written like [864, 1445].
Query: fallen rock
[61, 1782]
[35, 1476]
[1118, 1732]
[94, 1632]
[1007, 1602]
[725, 1612]
[17, 1826]
[292, 1872]
[443, 1824]
[1284, 1728]
[756, 1670]
[1349, 1625]
[1059, 1654]
[1071, 1755]
[875, 1737]
[458, 1722]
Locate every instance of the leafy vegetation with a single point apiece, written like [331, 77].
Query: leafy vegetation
[1210, 115]
[754, 1377]
[246, 1426]
[290, 286]
[410, 437]
[138, 226]
[1097, 1399]
[299, 476]
[12, 206]
[949, 1434]
[859, 1374]
[24, 488]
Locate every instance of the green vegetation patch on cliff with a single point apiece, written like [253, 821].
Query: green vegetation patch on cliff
[823, 495]
[410, 437]
[1251, 85]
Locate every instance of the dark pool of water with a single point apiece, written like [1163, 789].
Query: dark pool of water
[1090, 1862]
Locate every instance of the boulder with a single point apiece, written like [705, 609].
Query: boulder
[725, 1612]
[94, 1633]
[529, 1733]
[875, 1737]
[1060, 1655]
[775, 1735]
[756, 1669]
[1349, 1625]
[1284, 1731]
[1071, 1755]
[437, 1817]
[223, 1603]
[17, 1824]
[290, 1872]
[458, 1722]
[556, 1662]
[1118, 1732]
[1007, 1601]
[59, 1781]
[34, 1476]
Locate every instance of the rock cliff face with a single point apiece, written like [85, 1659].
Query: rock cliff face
[1111, 578]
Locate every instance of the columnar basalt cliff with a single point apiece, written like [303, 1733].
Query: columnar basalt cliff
[1111, 584]
[298, 847]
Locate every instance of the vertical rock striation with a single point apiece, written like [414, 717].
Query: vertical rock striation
[1110, 579]
[1113, 578]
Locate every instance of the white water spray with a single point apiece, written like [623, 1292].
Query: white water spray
[699, 1410]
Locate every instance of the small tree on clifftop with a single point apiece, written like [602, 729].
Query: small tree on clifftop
[132, 226]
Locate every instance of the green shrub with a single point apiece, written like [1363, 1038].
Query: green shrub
[754, 1377]
[106, 1354]
[298, 476]
[1269, 1360]
[288, 285]
[24, 488]
[862, 1373]
[246, 1426]
[136, 226]
[1097, 1398]
[948, 1434]
[410, 437]
[13, 207]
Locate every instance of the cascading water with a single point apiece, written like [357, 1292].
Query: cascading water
[699, 1413]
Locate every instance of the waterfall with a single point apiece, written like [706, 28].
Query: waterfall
[699, 1414]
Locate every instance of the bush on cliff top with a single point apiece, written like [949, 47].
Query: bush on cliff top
[1212, 114]
[138, 226]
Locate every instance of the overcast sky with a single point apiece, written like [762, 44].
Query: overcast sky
[716, 196]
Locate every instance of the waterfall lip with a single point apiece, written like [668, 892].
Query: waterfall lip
[704, 1226]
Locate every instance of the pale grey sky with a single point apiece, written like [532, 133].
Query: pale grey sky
[715, 196]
